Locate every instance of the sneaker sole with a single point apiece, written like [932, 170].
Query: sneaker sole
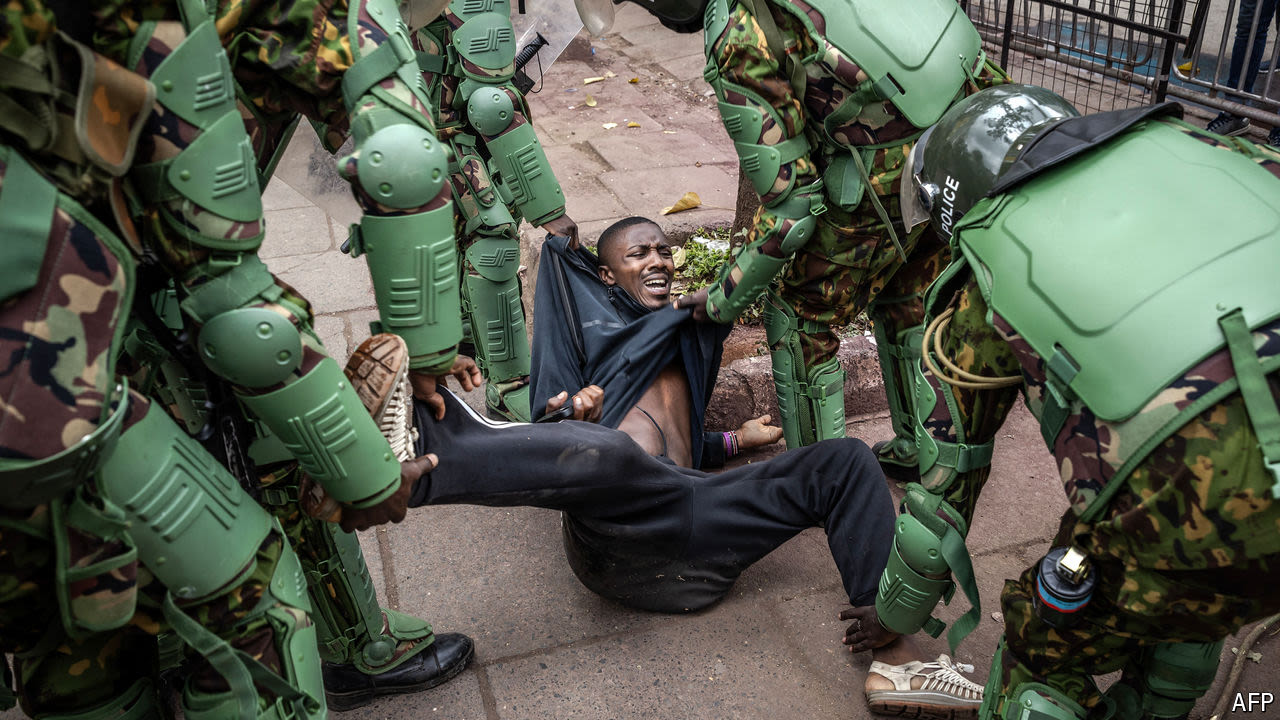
[342, 702]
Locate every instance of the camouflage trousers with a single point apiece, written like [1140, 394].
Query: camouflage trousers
[57, 673]
[850, 262]
[1186, 551]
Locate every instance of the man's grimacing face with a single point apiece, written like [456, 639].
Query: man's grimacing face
[640, 263]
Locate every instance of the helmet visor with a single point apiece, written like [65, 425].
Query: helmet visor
[915, 196]
[597, 15]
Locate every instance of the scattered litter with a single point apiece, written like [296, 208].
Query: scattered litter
[573, 107]
[697, 163]
[633, 123]
[709, 93]
[678, 256]
[689, 201]
[609, 126]
[997, 616]
[634, 80]
[571, 89]
[590, 101]
[588, 81]
[610, 74]
[668, 132]
[711, 243]
[1254, 656]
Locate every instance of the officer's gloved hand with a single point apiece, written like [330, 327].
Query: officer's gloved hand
[464, 370]
[563, 226]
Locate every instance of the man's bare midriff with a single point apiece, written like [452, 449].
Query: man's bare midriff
[667, 401]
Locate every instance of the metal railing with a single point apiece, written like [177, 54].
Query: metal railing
[1107, 54]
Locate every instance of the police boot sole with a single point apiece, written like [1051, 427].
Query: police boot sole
[355, 699]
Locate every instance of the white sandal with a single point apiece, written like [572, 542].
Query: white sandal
[934, 690]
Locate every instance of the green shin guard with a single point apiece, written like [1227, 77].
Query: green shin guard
[492, 293]
[811, 403]
[898, 356]
[299, 688]
[349, 621]
[139, 702]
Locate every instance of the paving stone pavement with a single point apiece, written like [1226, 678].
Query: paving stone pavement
[546, 647]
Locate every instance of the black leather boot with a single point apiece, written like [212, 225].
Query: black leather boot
[347, 688]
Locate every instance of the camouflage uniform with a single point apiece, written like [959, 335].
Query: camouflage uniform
[1181, 552]
[488, 210]
[79, 611]
[849, 264]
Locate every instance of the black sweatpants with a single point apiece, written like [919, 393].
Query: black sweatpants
[652, 535]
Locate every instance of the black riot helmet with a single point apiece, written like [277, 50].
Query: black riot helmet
[683, 16]
[958, 160]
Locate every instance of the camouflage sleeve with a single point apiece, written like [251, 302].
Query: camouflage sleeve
[743, 59]
[975, 346]
[25, 23]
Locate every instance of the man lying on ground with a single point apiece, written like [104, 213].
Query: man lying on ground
[604, 326]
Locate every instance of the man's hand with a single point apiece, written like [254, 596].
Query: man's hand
[697, 302]
[588, 403]
[865, 632]
[757, 432]
[564, 226]
[464, 370]
[317, 503]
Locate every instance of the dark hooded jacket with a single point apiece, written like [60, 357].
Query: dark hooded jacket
[589, 333]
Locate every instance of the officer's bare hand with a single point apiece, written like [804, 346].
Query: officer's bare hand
[697, 302]
[866, 632]
[464, 370]
[757, 432]
[394, 507]
[565, 227]
[588, 403]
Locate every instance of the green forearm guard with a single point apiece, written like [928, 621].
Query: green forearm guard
[412, 260]
[181, 503]
[320, 420]
[525, 175]
[751, 271]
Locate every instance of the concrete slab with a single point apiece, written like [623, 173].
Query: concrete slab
[279, 196]
[686, 68]
[332, 281]
[462, 698]
[297, 231]
[646, 192]
[499, 575]
[333, 333]
[713, 665]
[632, 152]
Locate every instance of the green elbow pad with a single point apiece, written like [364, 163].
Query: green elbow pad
[414, 266]
[321, 421]
[181, 503]
[526, 175]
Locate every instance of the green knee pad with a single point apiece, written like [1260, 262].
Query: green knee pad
[298, 688]
[497, 315]
[810, 401]
[899, 357]
[139, 702]
[349, 621]
[1026, 701]
[1173, 676]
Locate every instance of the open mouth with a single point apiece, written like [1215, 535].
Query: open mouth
[659, 284]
